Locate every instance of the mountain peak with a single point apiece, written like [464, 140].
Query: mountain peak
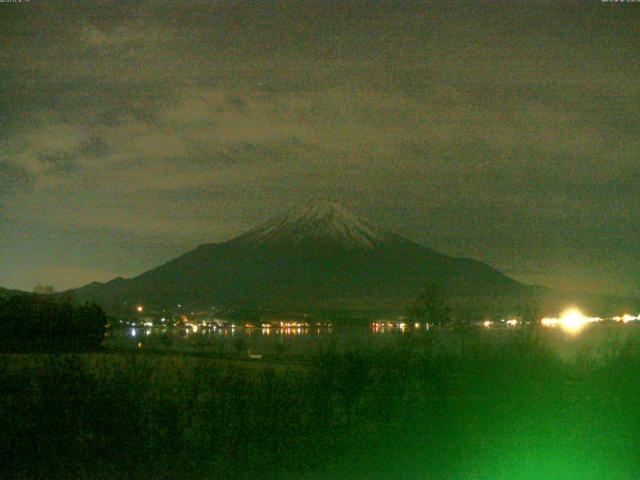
[317, 220]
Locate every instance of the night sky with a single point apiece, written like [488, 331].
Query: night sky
[134, 131]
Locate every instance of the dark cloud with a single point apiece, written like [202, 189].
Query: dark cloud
[58, 164]
[14, 179]
[95, 146]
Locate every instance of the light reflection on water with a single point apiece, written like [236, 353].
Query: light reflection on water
[277, 341]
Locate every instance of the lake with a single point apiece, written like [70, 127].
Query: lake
[295, 341]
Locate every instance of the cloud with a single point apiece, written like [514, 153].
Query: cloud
[95, 146]
[120, 35]
[13, 178]
[58, 163]
[474, 130]
[15, 181]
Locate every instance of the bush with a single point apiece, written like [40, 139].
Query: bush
[508, 411]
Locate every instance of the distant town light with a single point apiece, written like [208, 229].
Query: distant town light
[139, 309]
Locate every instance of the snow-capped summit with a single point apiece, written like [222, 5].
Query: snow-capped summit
[317, 220]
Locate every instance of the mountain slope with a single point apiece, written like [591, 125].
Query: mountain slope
[6, 293]
[319, 256]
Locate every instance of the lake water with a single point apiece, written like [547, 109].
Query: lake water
[276, 342]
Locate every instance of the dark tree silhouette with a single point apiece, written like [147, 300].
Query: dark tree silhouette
[432, 306]
[40, 322]
[529, 310]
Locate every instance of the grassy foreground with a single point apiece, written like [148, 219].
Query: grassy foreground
[418, 410]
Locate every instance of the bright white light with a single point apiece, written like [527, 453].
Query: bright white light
[571, 320]
[512, 322]
[133, 332]
[487, 323]
[139, 308]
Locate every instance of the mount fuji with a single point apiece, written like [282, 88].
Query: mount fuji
[318, 256]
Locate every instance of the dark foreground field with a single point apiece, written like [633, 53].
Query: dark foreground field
[420, 409]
